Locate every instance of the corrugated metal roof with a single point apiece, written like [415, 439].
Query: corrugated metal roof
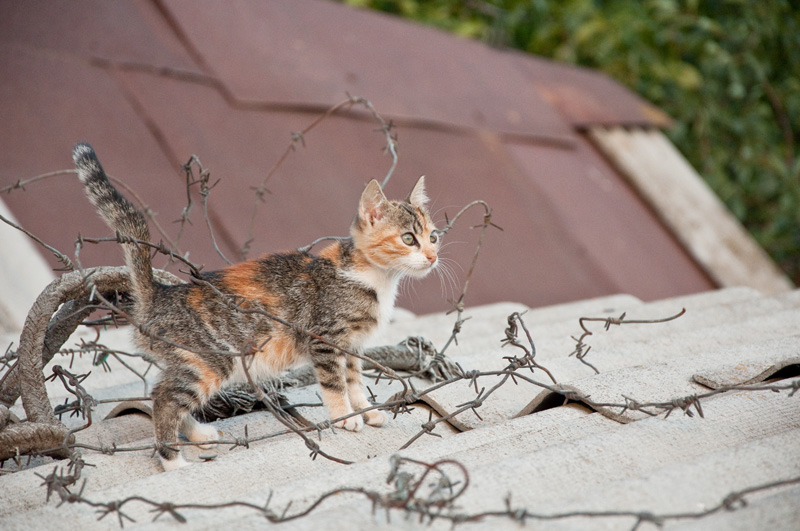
[150, 83]
[563, 458]
[415, 73]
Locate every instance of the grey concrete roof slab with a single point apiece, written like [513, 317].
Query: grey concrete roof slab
[538, 457]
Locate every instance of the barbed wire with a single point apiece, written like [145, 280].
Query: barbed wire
[89, 289]
[411, 494]
[582, 349]
[37, 388]
[299, 138]
[518, 369]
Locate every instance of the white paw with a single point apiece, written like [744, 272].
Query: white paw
[204, 432]
[351, 424]
[375, 418]
[174, 464]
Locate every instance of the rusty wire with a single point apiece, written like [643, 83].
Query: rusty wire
[407, 494]
[410, 495]
[299, 138]
[582, 349]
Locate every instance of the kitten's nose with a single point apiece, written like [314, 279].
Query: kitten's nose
[431, 257]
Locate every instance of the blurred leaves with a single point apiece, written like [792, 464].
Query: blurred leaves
[727, 71]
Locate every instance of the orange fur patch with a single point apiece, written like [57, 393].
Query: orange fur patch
[360, 261]
[195, 298]
[331, 253]
[279, 353]
[388, 242]
[241, 280]
[209, 381]
[385, 249]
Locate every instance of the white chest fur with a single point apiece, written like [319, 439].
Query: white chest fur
[385, 287]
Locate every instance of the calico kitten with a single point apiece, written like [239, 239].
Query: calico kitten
[344, 295]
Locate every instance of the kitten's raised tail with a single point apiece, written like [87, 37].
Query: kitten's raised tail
[121, 216]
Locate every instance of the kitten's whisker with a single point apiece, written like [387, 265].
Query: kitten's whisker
[449, 262]
[447, 278]
[447, 244]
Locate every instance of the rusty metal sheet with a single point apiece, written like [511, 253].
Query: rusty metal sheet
[301, 53]
[48, 104]
[609, 223]
[563, 238]
[566, 236]
[131, 31]
[315, 193]
[587, 97]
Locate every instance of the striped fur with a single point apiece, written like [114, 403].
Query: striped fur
[345, 294]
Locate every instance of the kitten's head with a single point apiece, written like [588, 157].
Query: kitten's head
[397, 236]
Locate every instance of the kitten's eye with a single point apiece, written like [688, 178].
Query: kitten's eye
[434, 237]
[408, 238]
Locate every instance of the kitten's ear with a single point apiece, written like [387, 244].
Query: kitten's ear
[418, 197]
[371, 207]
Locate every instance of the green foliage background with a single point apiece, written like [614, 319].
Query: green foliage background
[727, 71]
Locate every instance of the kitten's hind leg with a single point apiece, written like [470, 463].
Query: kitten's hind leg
[197, 431]
[171, 402]
[358, 399]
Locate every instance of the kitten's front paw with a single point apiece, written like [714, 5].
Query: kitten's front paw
[375, 418]
[174, 464]
[204, 432]
[351, 424]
